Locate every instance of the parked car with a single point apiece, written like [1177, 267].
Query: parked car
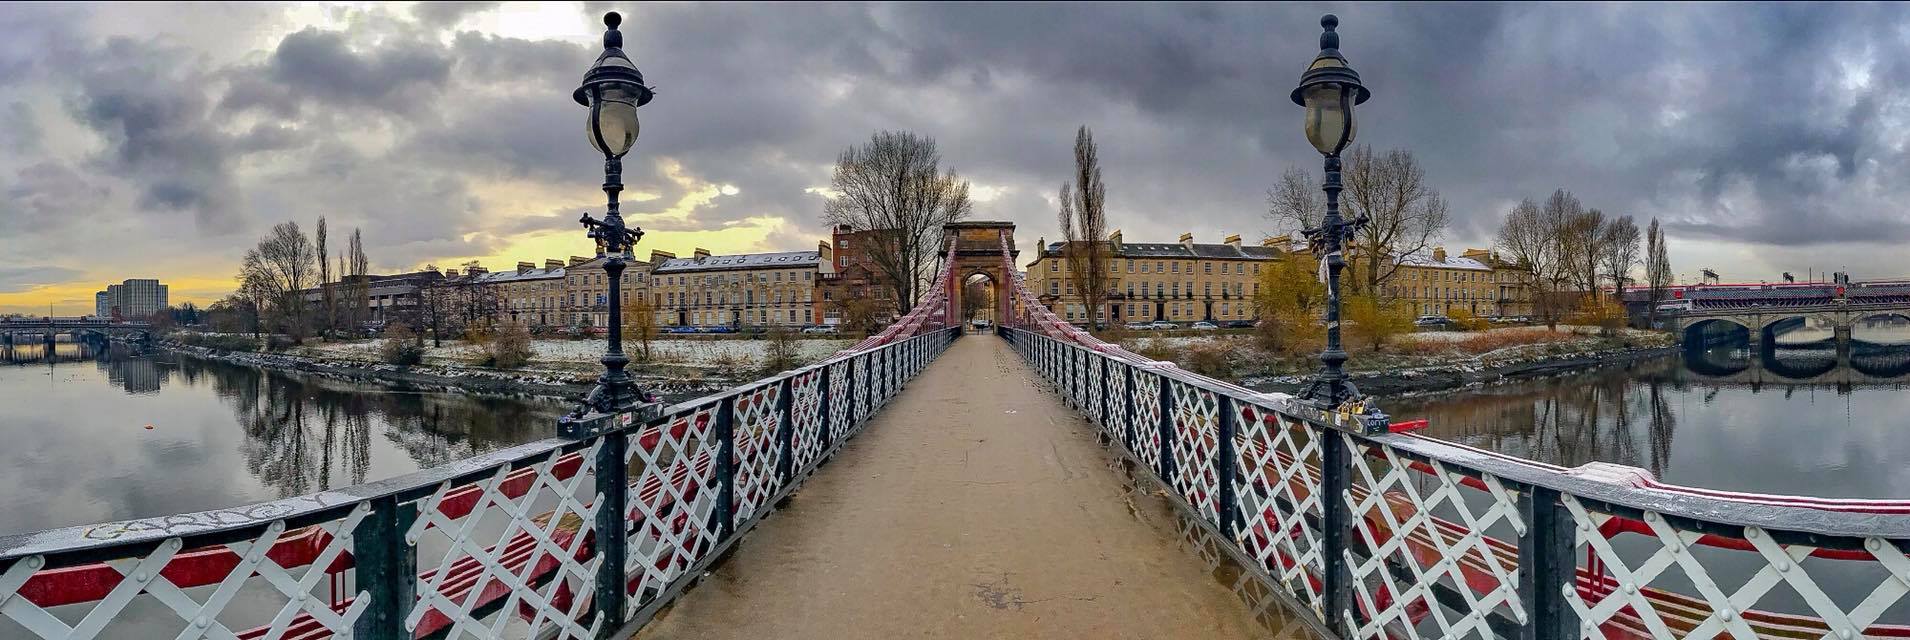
[679, 330]
[1163, 325]
[1432, 321]
[1239, 324]
[1139, 326]
[821, 328]
[1203, 326]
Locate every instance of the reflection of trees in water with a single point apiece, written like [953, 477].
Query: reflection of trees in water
[1606, 414]
[305, 434]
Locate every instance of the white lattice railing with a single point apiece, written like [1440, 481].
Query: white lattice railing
[516, 543]
[1372, 534]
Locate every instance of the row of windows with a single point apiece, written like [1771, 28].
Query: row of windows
[1162, 266]
[1170, 311]
[1162, 289]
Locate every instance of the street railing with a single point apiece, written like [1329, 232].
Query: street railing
[1365, 533]
[506, 544]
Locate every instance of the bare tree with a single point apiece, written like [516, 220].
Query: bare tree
[328, 310]
[1404, 214]
[1657, 269]
[1530, 237]
[1296, 202]
[358, 295]
[278, 271]
[1620, 252]
[1083, 218]
[1583, 237]
[894, 187]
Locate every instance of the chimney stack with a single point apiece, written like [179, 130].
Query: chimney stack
[657, 256]
[1439, 254]
[476, 271]
[1114, 239]
[1233, 241]
[451, 272]
[700, 254]
[526, 267]
[577, 260]
[1187, 240]
[553, 264]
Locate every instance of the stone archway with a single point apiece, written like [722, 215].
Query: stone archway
[978, 251]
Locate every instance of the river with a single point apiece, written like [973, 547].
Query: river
[1790, 418]
[93, 437]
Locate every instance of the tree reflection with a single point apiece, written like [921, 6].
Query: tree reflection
[306, 433]
[1613, 415]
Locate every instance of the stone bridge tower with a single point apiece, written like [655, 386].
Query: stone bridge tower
[978, 250]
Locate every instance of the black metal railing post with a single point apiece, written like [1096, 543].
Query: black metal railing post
[1167, 430]
[1226, 509]
[1336, 470]
[386, 569]
[1546, 566]
[826, 382]
[725, 435]
[849, 392]
[612, 538]
[785, 430]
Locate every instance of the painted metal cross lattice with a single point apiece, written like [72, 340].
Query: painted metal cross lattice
[145, 576]
[758, 452]
[839, 401]
[673, 501]
[805, 413]
[1196, 441]
[561, 563]
[1278, 488]
[1147, 418]
[1116, 422]
[1414, 551]
[1621, 598]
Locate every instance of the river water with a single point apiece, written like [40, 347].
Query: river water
[79, 449]
[1790, 418]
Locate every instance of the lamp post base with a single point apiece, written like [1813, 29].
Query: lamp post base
[589, 423]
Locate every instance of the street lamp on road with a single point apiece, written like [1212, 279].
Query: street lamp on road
[613, 89]
[1329, 89]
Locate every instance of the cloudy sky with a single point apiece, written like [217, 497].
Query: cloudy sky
[152, 140]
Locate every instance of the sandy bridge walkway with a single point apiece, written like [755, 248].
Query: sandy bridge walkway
[974, 506]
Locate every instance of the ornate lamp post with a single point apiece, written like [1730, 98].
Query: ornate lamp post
[613, 89]
[1329, 89]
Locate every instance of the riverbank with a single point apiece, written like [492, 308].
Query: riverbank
[1417, 363]
[680, 369]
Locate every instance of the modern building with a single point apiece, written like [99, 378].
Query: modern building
[1183, 281]
[744, 290]
[1478, 282]
[134, 299]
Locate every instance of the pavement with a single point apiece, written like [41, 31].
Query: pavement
[976, 505]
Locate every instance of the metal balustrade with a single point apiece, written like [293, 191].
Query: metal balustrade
[1394, 535]
[507, 544]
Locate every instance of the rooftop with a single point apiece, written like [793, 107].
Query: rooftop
[783, 259]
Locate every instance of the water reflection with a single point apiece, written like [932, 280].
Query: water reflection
[1799, 417]
[106, 432]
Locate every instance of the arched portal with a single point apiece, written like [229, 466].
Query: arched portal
[981, 296]
[978, 253]
[1882, 328]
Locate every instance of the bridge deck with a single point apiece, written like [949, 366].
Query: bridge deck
[975, 506]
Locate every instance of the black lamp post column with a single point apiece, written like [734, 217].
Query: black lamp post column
[613, 89]
[1331, 388]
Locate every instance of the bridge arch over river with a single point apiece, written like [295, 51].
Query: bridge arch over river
[832, 501]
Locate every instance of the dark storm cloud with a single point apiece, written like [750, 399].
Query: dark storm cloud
[147, 103]
[16, 277]
[313, 66]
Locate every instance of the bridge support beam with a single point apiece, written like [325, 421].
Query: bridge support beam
[1842, 337]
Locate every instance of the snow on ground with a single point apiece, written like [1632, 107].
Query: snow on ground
[696, 353]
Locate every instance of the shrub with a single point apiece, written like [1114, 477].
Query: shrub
[1208, 359]
[1466, 320]
[1374, 321]
[401, 346]
[1494, 340]
[504, 346]
[781, 352]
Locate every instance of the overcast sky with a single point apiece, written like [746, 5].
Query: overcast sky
[160, 141]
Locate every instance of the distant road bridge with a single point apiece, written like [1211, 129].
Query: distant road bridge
[1758, 309]
[1777, 364]
[44, 329]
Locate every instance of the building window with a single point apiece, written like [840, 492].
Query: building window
[1143, 267]
[1054, 266]
[1173, 268]
[1208, 268]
